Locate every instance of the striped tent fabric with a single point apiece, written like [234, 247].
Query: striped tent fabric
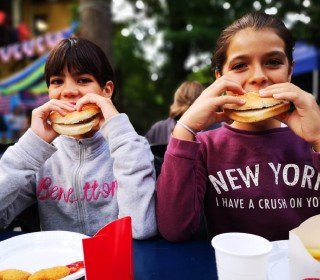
[40, 100]
[4, 104]
[25, 78]
[30, 101]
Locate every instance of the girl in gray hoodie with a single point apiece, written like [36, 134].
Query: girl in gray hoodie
[80, 183]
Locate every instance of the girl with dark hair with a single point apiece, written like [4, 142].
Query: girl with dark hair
[261, 177]
[83, 182]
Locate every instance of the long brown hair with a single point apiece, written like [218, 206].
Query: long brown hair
[184, 96]
[257, 21]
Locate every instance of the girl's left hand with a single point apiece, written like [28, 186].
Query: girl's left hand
[304, 120]
[107, 108]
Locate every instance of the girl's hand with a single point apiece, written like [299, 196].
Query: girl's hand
[205, 110]
[304, 120]
[107, 108]
[39, 118]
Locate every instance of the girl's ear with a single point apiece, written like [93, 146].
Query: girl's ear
[217, 74]
[108, 89]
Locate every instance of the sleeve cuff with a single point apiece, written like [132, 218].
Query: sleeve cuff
[182, 148]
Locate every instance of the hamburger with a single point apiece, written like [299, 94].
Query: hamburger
[77, 122]
[256, 108]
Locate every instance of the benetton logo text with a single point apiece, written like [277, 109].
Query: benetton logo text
[46, 190]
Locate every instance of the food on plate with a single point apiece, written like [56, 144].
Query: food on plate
[53, 273]
[314, 252]
[256, 108]
[76, 266]
[77, 122]
[14, 274]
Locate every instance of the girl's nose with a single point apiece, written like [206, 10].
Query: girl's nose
[258, 77]
[69, 91]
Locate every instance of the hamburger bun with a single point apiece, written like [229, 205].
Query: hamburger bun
[77, 122]
[256, 108]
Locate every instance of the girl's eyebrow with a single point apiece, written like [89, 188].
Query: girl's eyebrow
[276, 53]
[239, 57]
[272, 53]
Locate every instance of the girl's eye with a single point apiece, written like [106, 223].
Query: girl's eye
[56, 81]
[84, 80]
[238, 66]
[274, 62]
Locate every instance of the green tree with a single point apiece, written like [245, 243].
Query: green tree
[191, 27]
[135, 92]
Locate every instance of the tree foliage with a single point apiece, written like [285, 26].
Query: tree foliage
[135, 92]
[190, 28]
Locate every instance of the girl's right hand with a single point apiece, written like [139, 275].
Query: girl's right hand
[39, 118]
[205, 110]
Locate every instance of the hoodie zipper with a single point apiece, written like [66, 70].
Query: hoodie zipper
[77, 180]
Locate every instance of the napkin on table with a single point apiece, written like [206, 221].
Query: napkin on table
[301, 263]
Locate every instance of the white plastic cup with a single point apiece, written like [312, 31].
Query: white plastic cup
[241, 256]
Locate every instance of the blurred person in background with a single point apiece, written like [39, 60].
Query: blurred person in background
[17, 122]
[8, 32]
[3, 129]
[184, 96]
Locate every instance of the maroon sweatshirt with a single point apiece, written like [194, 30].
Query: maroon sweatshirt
[264, 183]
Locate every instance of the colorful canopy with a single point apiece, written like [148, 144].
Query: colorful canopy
[25, 79]
[306, 58]
[31, 78]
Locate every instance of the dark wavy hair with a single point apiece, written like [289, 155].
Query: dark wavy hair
[82, 56]
[257, 21]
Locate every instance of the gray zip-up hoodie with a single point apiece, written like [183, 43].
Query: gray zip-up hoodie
[81, 185]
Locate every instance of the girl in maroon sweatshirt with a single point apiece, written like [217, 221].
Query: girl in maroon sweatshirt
[260, 178]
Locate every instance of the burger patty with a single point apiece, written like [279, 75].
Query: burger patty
[87, 120]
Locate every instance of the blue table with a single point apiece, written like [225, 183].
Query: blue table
[159, 259]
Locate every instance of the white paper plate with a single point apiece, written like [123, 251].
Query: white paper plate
[278, 266]
[33, 251]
